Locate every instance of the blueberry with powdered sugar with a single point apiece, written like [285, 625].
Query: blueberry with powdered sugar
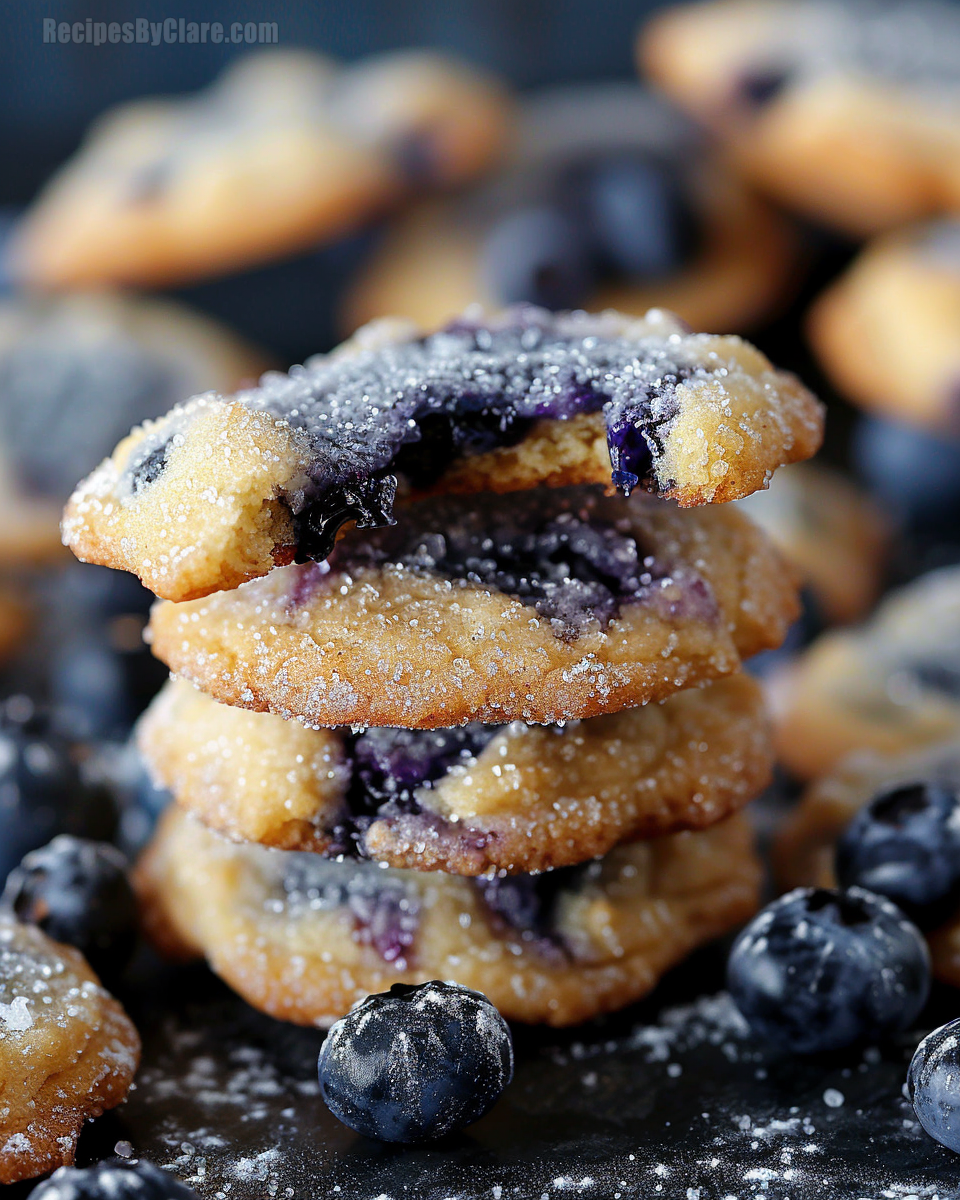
[932, 1084]
[820, 969]
[502, 403]
[416, 1063]
[116, 1179]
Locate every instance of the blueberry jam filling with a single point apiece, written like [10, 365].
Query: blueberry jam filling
[574, 570]
[467, 389]
[528, 904]
[390, 765]
[384, 909]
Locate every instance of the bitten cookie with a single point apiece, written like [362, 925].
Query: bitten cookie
[888, 331]
[303, 938]
[609, 199]
[803, 852]
[849, 112]
[467, 800]
[76, 371]
[67, 1051]
[287, 149]
[222, 490]
[566, 605]
[891, 685]
[831, 531]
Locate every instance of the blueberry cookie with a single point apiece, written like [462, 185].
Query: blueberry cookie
[831, 531]
[468, 800]
[567, 605]
[303, 938]
[891, 685]
[805, 848]
[222, 490]
[76, 371]
[888, 331]
[67, 1051]
[849, 112]
[609, 200]
[285, 150]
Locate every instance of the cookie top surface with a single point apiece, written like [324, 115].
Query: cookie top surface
[303, 937]
[568, 605]
[891, 685]
[285, 149]
[67, 1050]
[466, 800]
[221, 490]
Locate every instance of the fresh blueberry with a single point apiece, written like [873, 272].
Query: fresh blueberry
[116, 1179]
[905, 845]
[933, 1084]
[820, 969]
[914, 473]
[43, 791]
[639, 217]
[416, 1063]
[537, 255]
[77, 892]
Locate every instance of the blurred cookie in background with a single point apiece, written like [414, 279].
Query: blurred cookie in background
[285, 150]
[890, 685]
[888, 331]
[76, 371]
[848, 112]
[610, 199]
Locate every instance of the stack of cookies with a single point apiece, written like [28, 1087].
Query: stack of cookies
[456, 624]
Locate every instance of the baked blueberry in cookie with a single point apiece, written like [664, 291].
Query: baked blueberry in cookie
[221, 490]
[303, 938]
[417, 1062]
[563, 606]
[471, 799]
[77, 892]
[608, 199]
[115, 1179]
[821, 969]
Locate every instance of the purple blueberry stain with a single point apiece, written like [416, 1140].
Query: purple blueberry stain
[407, 409]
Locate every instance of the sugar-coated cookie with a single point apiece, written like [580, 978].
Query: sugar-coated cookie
[848, 111]
[303, 938]
[888, 331]
[468, 800]
[831, 531]
[609, 199]
[76, 371]
[222, 490]
[287, 149]
[803, 853]
[890, 685]
[68, 1051]
[563, 605]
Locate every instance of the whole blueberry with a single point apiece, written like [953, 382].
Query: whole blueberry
[416, 1063]
[933, 1083]
[77, 892]
[537, 255]
[905, 845]
[116, 1179]
[820, 969]
[915, 473]
[639, 216]
[43, 791]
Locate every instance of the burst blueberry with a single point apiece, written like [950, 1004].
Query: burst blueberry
[115, 1179]
[933, 1084]
[820, 969]
[905, 845]
[77, 892]
[537, 256]
[416, 1063]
